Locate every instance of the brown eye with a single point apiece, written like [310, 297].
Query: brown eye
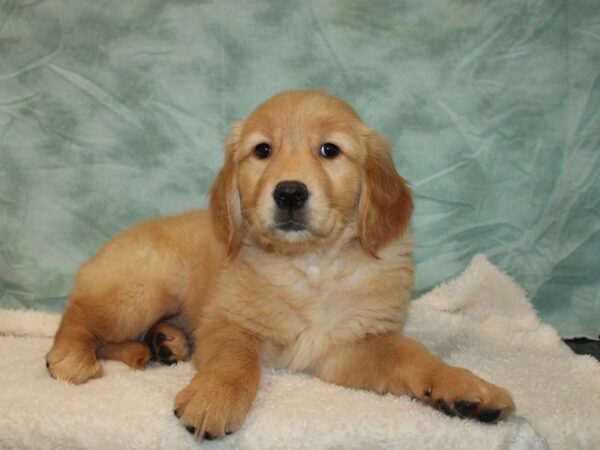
[329, 150]
[262, 150]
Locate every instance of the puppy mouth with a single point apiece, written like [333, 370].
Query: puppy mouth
[290, 226]
[291, 222]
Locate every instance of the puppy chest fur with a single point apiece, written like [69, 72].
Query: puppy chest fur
[303, 306]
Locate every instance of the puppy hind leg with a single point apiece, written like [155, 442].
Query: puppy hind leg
[134, 354]
[163, 342]
[112, 322]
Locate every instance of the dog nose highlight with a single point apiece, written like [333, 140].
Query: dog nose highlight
[290, 195]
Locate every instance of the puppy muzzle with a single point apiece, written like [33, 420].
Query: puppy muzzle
[291, 198]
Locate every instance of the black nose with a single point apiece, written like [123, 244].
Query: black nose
[290, 195]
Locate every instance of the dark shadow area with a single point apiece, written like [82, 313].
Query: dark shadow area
[584, 346]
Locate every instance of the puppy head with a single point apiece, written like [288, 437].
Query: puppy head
[303, 171]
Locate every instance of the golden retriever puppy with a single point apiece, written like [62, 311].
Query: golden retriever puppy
[302, 261]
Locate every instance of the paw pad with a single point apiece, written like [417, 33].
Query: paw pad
[167, 343]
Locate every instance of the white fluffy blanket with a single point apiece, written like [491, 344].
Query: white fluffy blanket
[481, 321]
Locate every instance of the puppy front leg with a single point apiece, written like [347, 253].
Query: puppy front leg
[219, 396]
[398, 365]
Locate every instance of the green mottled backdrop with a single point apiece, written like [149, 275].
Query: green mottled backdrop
[114, 111]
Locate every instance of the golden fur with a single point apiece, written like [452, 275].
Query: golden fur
[329, 299]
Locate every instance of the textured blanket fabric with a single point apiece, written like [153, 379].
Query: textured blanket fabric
[114, 111]
[481, 321]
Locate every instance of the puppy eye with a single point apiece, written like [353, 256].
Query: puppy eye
[262, 150]
[329, 150]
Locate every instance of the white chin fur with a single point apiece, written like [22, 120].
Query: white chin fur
[292, 235]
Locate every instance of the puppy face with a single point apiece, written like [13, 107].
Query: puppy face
[298, 175]
[303, 170]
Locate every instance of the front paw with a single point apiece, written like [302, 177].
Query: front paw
[458, 392]
[72, 364]
[213, 405]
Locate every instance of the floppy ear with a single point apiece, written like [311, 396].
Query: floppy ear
[386, 201]
[224, 197]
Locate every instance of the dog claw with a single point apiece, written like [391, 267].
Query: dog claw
[465, 408]
[445, 408]
[489, 416]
